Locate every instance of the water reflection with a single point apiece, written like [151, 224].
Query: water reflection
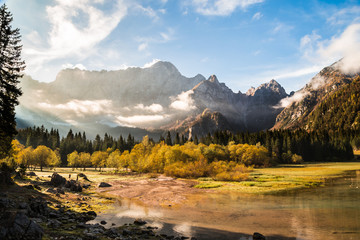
[331, 212]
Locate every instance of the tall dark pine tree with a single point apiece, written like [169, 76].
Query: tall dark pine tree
[11, 67]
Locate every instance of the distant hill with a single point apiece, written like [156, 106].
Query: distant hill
[148, 100]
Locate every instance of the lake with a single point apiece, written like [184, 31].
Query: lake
[330, 212]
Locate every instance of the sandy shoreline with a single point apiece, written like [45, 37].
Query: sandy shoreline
[160, 191]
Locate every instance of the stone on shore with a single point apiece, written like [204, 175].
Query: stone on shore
[104, 184]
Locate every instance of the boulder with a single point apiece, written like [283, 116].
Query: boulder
[57, 180]
[104, 184]
[38, 207]
[31, 174]
[73, 186]
[91, 213]
[5, 178]
[83, 176]
[16, 225]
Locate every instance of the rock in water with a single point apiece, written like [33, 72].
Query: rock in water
[258, 236]
[57, 180]
[139, 222]
[104, 184]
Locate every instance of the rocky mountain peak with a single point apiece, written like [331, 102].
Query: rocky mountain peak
[271, 87]
[250, 92]
[268, 93]
[165, 66]
[213, 79]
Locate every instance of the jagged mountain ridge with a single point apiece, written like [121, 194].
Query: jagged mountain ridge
[152, 98]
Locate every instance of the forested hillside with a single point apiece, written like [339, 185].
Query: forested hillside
[339, 111]
[329, 81]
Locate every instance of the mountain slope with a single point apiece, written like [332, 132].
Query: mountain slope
[339, 111]
[302, 103]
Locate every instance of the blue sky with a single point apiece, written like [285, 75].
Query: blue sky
[244, 42]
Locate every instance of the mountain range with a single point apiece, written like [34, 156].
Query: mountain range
[158, 98]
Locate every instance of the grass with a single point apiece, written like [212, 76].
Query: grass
[261, 180]
[95, 176]
[284, 178]
[206, 185]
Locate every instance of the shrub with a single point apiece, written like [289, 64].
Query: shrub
[296, 159]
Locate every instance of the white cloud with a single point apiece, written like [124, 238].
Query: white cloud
[344, 16]
[221, 7]
[345, 46]
[155, 108]
[142, 46]
[167, 36]
[298, 73]
[281, 27]
[160, 38]
[298, 96]
[149, 64]
[314, 84]
[80, 107]
[183, 101]
[71, 66]
[76, 28]
[139, 119]
[257, 16]
[33, 38]
[309, 44]
[147, 11]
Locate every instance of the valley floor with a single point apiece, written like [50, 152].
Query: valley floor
[155, 190]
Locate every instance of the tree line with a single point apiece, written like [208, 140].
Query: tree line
[283, 146]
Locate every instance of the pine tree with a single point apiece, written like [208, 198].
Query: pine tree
[11, 67]
[177, 139]
[168, 140]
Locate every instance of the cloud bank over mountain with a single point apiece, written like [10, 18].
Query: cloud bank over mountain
[152, 97]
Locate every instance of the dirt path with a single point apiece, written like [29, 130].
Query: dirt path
[162, 191]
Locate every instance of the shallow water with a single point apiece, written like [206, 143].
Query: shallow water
[330, 212]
